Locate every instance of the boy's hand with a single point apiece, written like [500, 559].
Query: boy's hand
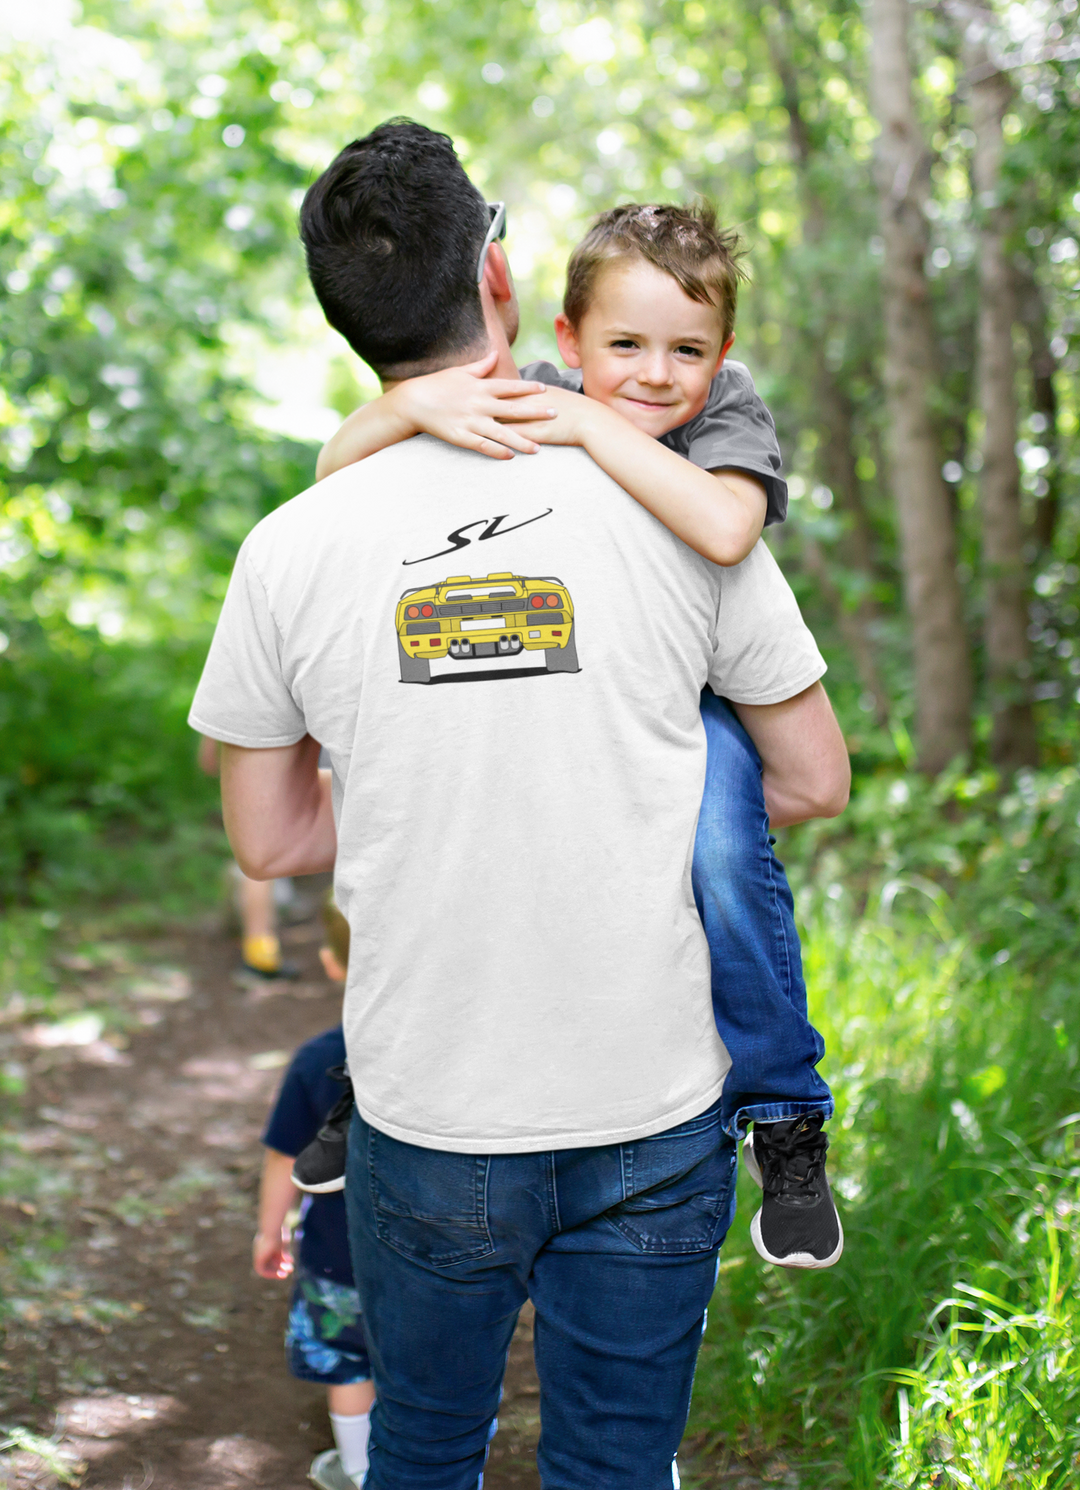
[270, 1256]
[464, 407]
[573, 419]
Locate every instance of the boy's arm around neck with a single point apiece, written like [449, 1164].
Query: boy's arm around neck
[460, 405]
[720, 517]
[374, 426]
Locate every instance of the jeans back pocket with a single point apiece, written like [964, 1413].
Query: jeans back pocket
[679, 1189]
[429, 1206]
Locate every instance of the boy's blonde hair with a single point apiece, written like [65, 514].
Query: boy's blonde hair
[337, 931]
[685, 242]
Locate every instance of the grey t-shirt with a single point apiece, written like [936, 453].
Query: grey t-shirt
[504, 662]
[733, 432]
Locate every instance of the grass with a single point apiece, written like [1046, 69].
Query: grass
[52, 1459]
[944, 1349]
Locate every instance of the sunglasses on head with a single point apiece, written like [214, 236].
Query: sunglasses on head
[496, 230]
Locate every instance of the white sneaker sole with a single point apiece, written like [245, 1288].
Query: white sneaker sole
[327, 1473]
[326, 1188]
[796, 1259]
[749, 1159]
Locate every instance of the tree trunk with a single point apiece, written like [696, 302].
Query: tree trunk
[1031, 304]
[1013, 740]
[852, 625]
[943, 682]
[836, 416]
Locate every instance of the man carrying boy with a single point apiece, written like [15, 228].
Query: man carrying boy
[539, 1073]
[647, 321]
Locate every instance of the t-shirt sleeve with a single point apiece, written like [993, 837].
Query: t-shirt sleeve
[735, 432]
[294, 1122]
[554, 377]
[763, 650]
[242, 697]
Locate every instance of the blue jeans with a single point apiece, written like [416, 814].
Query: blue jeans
[743, 898]
[616, 1247]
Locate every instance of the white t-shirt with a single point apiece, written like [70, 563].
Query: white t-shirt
[504, 662]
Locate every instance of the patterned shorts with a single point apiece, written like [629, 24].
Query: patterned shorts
[324, 1340]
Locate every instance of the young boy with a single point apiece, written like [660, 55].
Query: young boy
[324, 1341]
[647, 322]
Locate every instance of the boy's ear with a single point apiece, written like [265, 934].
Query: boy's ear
[724, 350]
[567, 337]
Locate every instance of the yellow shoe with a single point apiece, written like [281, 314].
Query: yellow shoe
[262, 956]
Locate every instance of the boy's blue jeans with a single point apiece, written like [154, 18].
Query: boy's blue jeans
[616, 1247]
[742, 894]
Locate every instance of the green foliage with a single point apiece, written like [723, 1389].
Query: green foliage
[54, 1460]
[152, 164]
[940, 953]
[132, 466]
[996, 1398]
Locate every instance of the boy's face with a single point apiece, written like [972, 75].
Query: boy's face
[644, 347]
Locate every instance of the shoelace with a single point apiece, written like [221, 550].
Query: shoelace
[794, 1158]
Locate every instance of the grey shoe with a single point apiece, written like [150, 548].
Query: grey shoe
[327, 1472]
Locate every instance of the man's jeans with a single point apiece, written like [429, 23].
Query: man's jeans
[742, 894]
[616, 1247]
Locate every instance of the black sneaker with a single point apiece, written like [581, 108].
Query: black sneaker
[284, 970]
[797, 1225]
[320, 1168]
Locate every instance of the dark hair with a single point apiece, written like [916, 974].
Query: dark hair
[685, 242]
[392, 230]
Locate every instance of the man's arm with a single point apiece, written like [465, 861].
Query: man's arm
[806, 772]
[207, 756]
[277, 808]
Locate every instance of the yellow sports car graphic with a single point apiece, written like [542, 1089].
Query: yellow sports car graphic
[468, 620]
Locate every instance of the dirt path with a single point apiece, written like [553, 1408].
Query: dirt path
[166, 1366]
[147, 1346]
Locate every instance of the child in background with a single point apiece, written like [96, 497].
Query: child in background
[256, 901]
[647, 322]
[325, 1340]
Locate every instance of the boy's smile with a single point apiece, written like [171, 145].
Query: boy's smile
[644, 347]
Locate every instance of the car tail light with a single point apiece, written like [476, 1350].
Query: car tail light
[556, 633]
[435, 641]
[553, 600]
[412, 611]
[427, 610]
[414, 644]
[536, 602]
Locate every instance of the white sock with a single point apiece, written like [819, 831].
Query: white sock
[351, 1437]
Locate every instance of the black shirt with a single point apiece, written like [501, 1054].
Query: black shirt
[306, 1096]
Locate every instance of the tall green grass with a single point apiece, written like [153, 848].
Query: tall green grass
[944, 1349]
